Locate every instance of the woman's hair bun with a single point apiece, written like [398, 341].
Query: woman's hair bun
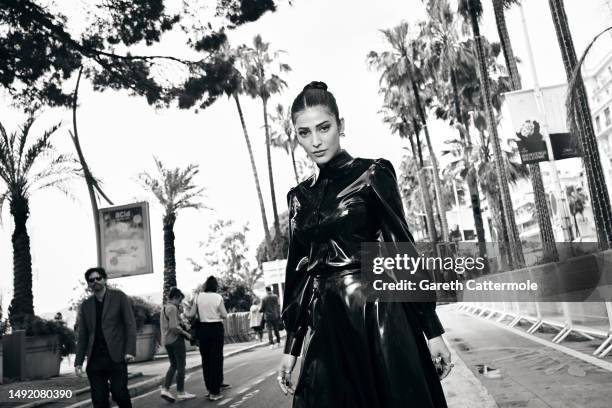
[316, 85]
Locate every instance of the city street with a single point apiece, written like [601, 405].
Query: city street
[252, 375]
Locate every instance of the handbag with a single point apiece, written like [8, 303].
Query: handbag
[193, 322]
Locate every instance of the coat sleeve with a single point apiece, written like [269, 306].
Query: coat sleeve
[130, 324]
[297, 287]
[395, 229]
[83, 337]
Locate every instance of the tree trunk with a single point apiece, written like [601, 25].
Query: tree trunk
[22, 304]
[547, 236]
[262, 207]
[434, 164]
[504, 39]
[472, 176]
[295, 172]
[89, 180]
[518, 259]
[169, 253]
[600, 200]
[270, 172]
[495, 209]
[429, 214]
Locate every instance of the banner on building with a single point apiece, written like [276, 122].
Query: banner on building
[563, 146]
[528, 122]
[125, 240]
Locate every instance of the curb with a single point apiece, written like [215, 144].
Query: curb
[140, 387]
[80, 391]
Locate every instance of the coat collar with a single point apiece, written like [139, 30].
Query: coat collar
[333, 168]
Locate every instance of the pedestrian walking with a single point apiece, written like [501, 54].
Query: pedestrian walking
[107, 337]
[256, 319]
[361, 351]
[173, 338]
[208, 306]
[270, 308]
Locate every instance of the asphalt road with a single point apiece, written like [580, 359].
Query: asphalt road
[252, 375]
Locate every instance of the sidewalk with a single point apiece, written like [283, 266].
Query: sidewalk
[142, 377]
[463, 389]
[518, 371]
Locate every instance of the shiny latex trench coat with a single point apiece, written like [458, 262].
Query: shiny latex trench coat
[357, 353]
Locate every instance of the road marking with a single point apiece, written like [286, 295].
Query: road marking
[271, 373]
[225, 401]
[245, 398]
[243, 390]
[258, 381]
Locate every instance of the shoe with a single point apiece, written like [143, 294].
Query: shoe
[225, 386]
[167, 395]
[271, 346]
[215, 397]
[182, 396]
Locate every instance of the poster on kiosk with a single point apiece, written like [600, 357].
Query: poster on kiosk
[125, 240]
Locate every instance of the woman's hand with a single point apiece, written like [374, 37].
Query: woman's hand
[284, 373]
[441, 354]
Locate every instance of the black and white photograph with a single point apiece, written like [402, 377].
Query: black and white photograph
[306, 203]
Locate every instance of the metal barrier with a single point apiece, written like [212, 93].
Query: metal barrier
[587, 319]
[237, 327]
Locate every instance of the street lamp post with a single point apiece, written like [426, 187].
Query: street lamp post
[565, 219]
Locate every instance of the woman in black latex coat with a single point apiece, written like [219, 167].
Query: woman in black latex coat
[358, 353]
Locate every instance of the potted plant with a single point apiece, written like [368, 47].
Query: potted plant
[147, 326]
[3, 330]
[42, 345]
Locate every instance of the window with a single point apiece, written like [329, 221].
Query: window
[607, 115]
[598, 124]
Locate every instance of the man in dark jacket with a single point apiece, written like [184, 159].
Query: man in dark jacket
[107, 337]
[270, 308]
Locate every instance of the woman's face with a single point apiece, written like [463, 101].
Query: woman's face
[318, 132]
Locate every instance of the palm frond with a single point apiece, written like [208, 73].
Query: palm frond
[175, 189]
[3, 197]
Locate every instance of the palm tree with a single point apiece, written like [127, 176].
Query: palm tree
[545, 226]
[230, 81]
[472, 10]
[23, 172]
[445, 51]
[580, 110]
[399, 107]
[260, 82]
[284, 137]
[401, 67]
[175, 190]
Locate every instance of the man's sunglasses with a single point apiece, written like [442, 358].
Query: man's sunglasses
[95, 279]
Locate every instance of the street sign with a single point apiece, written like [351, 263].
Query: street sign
[125, 240]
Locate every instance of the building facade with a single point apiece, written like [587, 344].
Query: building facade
[598, 81]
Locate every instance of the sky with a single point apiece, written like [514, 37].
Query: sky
[325, 41]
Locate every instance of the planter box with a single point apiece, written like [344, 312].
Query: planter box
[35, 357]
[145, 343]
[43, 356]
